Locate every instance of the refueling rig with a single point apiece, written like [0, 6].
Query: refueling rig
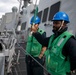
[7, 44]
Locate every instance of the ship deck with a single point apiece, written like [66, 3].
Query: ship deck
[19, 68]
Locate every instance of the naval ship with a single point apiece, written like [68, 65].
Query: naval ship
[15, 27]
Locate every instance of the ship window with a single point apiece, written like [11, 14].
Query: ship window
[44, 19]
[40, 14]
[23, 26]
[54, 9]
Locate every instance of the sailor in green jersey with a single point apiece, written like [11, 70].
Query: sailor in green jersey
[34, 48]
[61, 46]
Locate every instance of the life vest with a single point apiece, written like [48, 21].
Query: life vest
[55, 60]
[33, 47]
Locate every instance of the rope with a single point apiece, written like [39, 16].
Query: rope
[32, 57]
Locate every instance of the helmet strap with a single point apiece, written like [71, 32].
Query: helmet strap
[61, 25]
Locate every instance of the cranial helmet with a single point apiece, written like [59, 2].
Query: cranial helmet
[61, 16]
[35, 20]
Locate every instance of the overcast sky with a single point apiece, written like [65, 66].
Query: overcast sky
[6, 6]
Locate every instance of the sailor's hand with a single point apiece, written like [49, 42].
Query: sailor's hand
[73, 72]
[33, 29]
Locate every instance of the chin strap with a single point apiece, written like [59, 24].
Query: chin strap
[61, 26]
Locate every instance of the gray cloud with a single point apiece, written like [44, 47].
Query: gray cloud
[3, 9]
[6, 6]
[8, 1]
[3, 1]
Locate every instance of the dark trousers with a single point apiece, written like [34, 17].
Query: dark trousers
[33, 68]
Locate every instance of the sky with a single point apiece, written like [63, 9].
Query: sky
[6, 6]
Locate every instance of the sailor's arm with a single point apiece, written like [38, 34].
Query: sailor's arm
[42, 52]
[42, 40]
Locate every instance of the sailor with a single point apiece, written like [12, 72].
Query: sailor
[34, 49]
[61, 46]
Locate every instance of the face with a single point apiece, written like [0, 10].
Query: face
[56, 25]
